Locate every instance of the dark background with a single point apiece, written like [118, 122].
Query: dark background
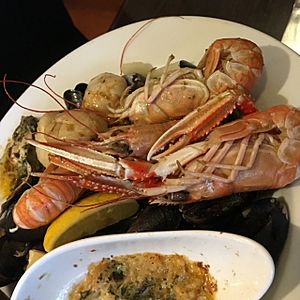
[35, 34]
[269, 16]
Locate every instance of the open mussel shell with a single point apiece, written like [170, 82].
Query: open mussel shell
[262, 218]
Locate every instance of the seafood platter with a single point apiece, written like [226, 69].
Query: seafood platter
[160, 125]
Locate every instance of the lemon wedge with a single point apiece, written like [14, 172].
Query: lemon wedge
[86, 218]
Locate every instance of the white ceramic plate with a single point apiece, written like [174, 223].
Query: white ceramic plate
[243, 268]
[186, 38]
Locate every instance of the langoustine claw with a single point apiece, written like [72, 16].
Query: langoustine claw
[195, 125]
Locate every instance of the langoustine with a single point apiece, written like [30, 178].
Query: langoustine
[44, 201]
[129, 140]
[257, 152]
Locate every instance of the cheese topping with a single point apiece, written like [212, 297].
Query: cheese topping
[146, 276]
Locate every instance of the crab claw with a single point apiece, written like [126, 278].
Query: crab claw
[195, 125]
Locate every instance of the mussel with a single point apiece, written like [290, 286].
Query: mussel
[156, 218]
[266, 222]
[213, 214]
[15, 244]
[186, 64]
[74, 97]
[13, 259]
[81, 87]
[135, 81]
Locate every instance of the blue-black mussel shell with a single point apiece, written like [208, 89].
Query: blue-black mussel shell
[74, 97]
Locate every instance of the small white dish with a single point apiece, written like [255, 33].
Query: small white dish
[242, 267]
